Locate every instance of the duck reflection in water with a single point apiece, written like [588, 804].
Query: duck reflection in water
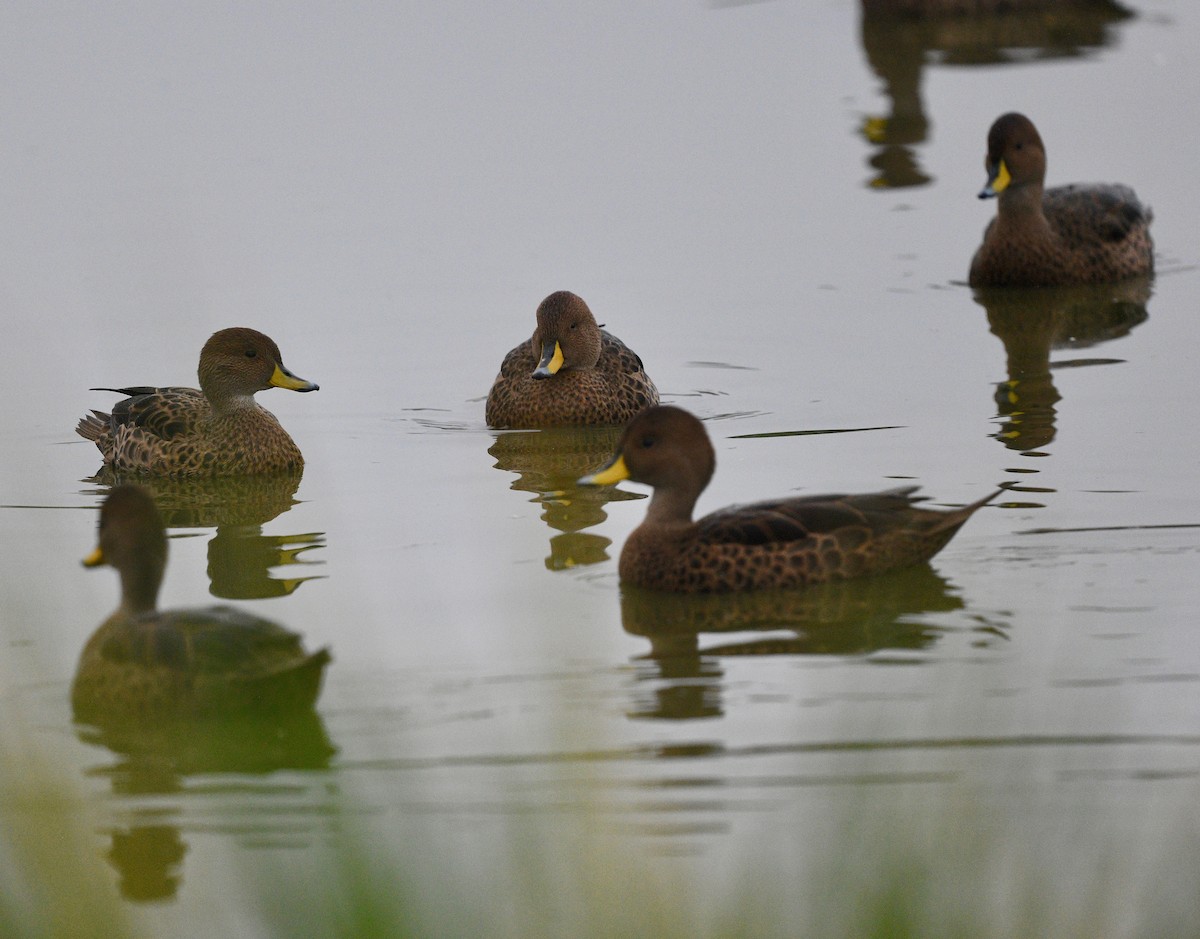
[900, 36]
[171, 758]
[183, 692]
[548, 463]
[1031, 322]
[240, 556]
[843, 618]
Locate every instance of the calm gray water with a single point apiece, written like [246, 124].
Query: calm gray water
[1005, 742]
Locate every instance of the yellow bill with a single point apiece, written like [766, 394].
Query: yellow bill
[609, 475]
[551, 362]
[282, 378]
[998, 180]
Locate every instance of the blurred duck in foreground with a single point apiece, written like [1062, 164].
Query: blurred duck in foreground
[789, 542]
[1077, 234]
[571, 372]
[218, 430]
[147, 664]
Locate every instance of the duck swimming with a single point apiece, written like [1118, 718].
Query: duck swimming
[1077, 234]
[143, 663]
[571, 372]
[218, 430]
[782, 543]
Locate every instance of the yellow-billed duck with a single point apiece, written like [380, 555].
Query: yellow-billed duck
[144, 663]
[783, 543]
[218, 430]
[571, 372]
[1077, 234]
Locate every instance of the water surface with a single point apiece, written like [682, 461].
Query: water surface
[1003, 742]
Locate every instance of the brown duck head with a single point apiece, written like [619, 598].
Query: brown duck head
[567, 337]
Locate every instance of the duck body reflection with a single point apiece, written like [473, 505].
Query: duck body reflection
[145, 664]
[243, 561]
[783, 543]
[548, 463]
[682, 676]
[164, 759]
[1034, 321]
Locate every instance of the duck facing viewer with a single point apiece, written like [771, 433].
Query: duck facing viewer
[1076, 234]
[571, 372]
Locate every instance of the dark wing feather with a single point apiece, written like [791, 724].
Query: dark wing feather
[790, 520]
[617, 357]
[1098, 214]
[519, 363]
[212, 640]
[164, 412]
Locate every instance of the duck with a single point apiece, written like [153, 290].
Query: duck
[145, 664]
[1077, 234]
[779, 544]
[216, 430]
[954, 9]
[571, 373]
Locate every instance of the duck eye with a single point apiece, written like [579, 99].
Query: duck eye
[250, 354]
[647, 442]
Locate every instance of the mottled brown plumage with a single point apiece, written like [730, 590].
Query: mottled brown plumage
[1077, 234]
[790, 542]
[570, 373]
[981, 8]
[146, 664]
[218, 430]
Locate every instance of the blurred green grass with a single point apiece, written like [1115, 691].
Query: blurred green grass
[887, 860]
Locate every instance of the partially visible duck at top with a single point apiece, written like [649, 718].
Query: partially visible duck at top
[218, 430]
[571, 372]
[932, 9]
[1076, 234]
[783, 543]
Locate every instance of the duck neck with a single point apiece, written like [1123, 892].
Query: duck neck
[223, 391]
[671, 506]
[1022, 205]
[225, 404]
[139, 589]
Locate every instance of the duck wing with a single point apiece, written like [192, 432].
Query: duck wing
[796, 519]
[616, 357]
[206, 661]
[519, 362]
[1095, 213]
[209, 640]
[165, 413]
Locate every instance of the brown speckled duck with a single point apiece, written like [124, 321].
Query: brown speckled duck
[147, 664]
[922, 9]
[570, 373]
[1078, 234]
[218, 430]
[790, 542]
